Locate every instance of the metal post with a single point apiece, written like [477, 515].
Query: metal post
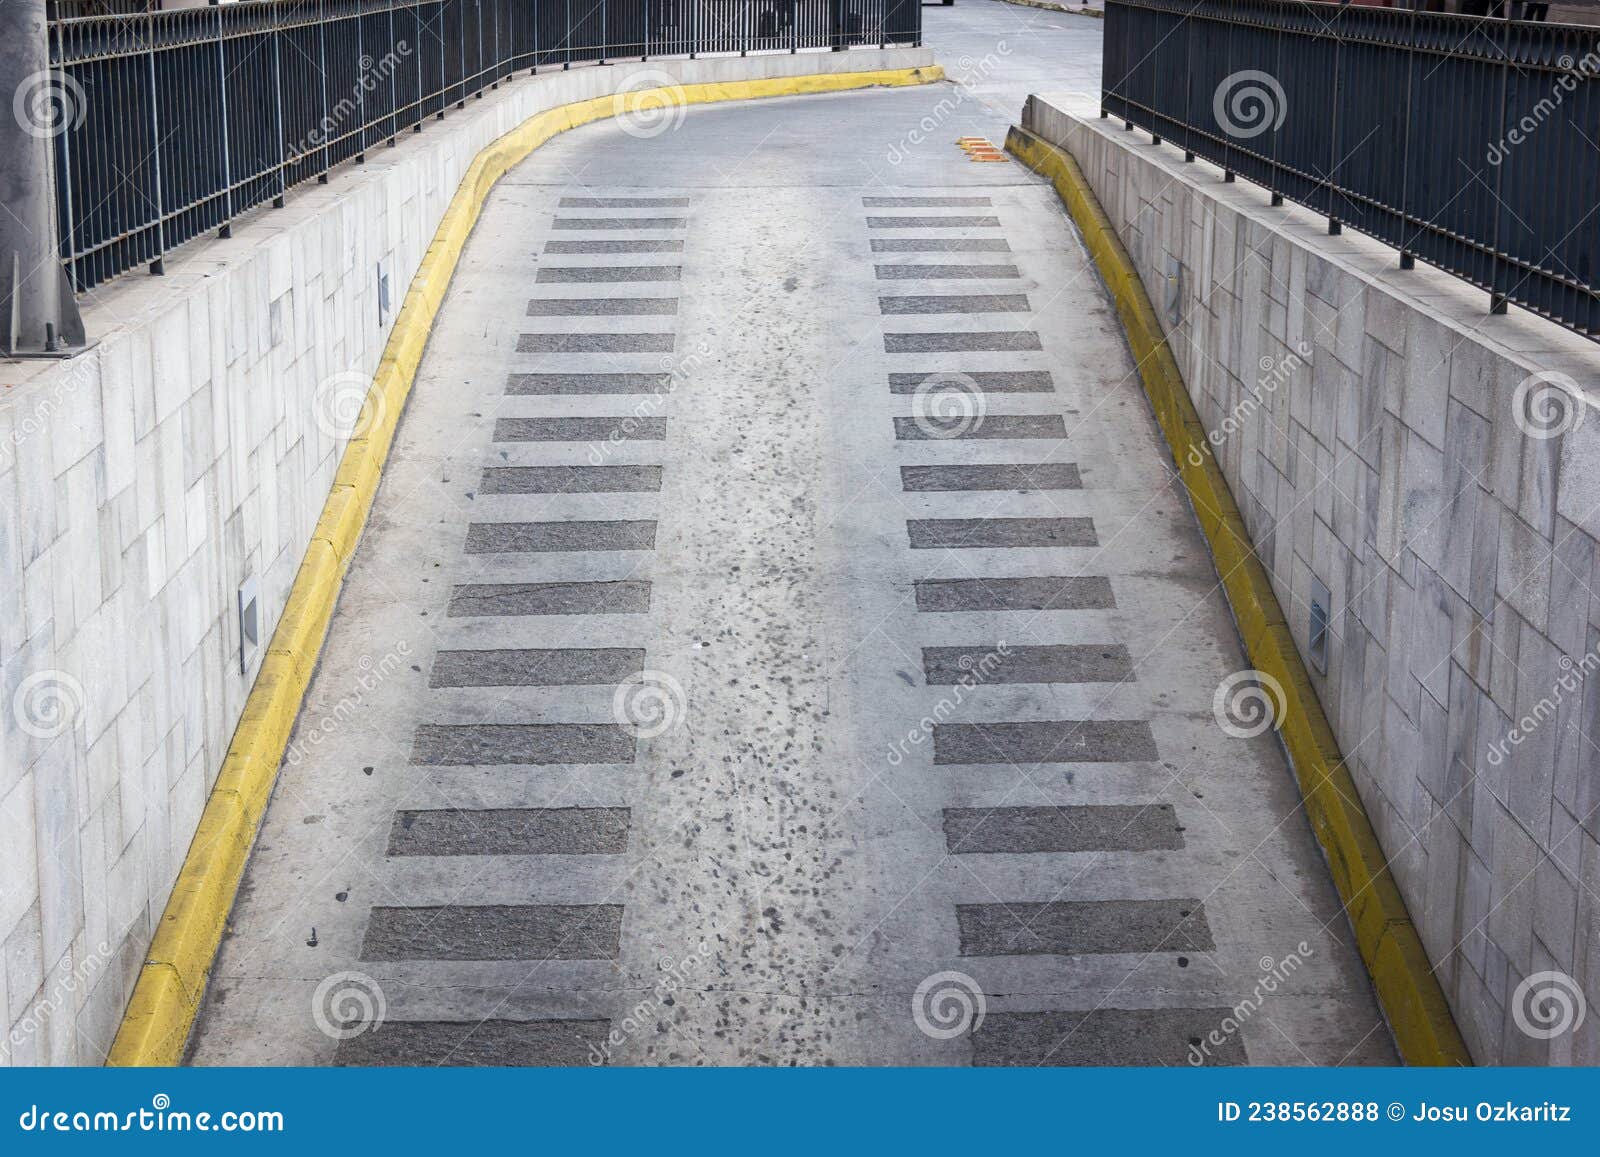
[40, 315]
[158, 266]
[222, 103]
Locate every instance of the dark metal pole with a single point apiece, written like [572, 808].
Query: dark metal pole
[38, 314]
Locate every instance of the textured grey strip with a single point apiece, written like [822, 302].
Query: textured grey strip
[617, 245]
[956, 303]
[933, 222]
[934, 428]
[568, 831]
[596, 343]
[545, 667]
[624, 429]
[524, 385]
[1059, 593]
[602, 306]
[988, 381]
[494, 932]
[474, 600]
[976, 533]
[597, 274]
[1045, 663]
[940, 245]
[470, 744]
[570, 479]
[623, 202]
[619, 222]
[947, 272]
[923, 343]
[922, 202]
[1076, 828]
[1106, 1036]
[1022, 476]
[536, 537]
[1047, 741]
[1083, 927]
[476, 1043]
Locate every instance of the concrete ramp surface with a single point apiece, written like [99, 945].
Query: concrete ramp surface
[780, 639]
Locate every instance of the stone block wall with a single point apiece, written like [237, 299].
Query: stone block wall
[1384, 436]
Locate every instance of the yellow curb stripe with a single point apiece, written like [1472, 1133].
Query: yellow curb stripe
[166, 997]
[1424, 1030]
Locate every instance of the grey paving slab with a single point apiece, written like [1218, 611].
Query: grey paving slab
[616, 245]
[602, 306]
[932, 427]
[1063, 828]
[910, 222]
[570, 831]
[922, 343]
[1045, 741]
[619, 223]
[956, 303]
[999, 476]
[940, 245]
[1083, 927]
[494, 932]
[601, 274]
[536, 385]
[626, 597]
[521, 537]
[595, 343]
[535, 743]
[948, 273]
[1029, 663]
[1106, 1036]
[476, 1043]
[978, 533]
[624, 428]
[985, 381]
[570, 479]
[924, 202]
[1041, 593]
[623, 202]
[535, 667]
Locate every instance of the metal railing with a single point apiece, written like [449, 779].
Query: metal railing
[174, 123]
[1471, 143]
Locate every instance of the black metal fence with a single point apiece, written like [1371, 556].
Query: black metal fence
[173, 123]
[1472, 143]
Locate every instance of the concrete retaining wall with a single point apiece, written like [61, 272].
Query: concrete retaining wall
[144, 482]
[1367, 421]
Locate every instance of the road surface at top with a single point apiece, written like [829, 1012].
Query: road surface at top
[779, 639]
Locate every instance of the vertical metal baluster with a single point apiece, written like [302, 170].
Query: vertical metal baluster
[227, 161]
[158, 266]
[1497, 303]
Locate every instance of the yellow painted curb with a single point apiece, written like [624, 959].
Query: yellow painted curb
[1424, 1030]
[166, 997]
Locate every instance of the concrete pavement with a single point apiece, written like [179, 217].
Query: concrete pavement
[779, 640]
